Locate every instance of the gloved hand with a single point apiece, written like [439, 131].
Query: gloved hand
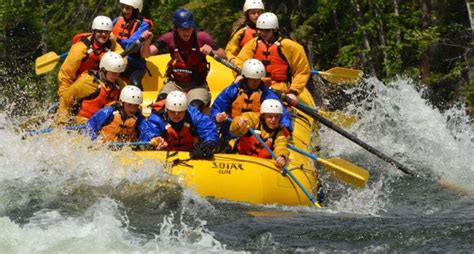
[158, 142]
[204, 150]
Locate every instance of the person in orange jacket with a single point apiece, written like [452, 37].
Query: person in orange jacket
[128, 28]
[123, 121]
[285, 60]
[86, 51]
[246, 30]
[92, 91]
[267, 125]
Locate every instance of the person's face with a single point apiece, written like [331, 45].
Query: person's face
[130, 109]
[127, 10]
[176, 116]
[112, 76]
[253, 15]
[101, 36]
[266, 34]
[184, 33]
[271, 120]
[253, 83]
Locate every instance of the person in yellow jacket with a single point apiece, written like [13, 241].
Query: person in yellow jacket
[285, 60]
[245, 29]
[86, 52]
[92, 91]
[267, 125]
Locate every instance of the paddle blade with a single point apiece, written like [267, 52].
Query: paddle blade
[340, 119]
[346, 171]
[46, 62]
[340, 75]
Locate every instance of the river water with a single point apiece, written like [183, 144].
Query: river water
[59, 195]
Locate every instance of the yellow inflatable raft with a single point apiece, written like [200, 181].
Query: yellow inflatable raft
[234, 177]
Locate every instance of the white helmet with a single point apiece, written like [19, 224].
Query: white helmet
[112, 61]
[253, 4]
[254, 69]
[271, 106]
[176, 101]
[102, 23]
[136, 4]
[132, 95]
[267, 20]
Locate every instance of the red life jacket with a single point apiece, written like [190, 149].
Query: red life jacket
[244, 103]
[275, 62]
[187, 66]
[124, 30]
[94, 52]
[249, 34]
[119, 130]
[98, 99]
[182, 140]
[249, 144]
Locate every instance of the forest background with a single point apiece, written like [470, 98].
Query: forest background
[428, 41]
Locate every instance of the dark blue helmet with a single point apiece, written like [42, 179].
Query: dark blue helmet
[183, 18]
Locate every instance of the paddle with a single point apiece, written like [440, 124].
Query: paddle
[314, 113]
[136, 143]
[343, 119]
[285, 169]
[340, 168]
[48, 130]
[337, 75]
[340, 75]
[40, 118]
[48, 61]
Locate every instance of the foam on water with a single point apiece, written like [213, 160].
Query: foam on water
[59, 195]
[103, 228]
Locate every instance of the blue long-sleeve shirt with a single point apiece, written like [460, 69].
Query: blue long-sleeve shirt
[134, 60]
[205, 128]
[98, 120]
[223, 103]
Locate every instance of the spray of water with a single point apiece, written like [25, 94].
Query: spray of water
[395, 119]
[59, 194]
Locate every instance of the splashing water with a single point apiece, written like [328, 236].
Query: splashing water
[59, 195]
[396, 120]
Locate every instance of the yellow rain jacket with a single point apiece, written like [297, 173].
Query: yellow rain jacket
[83, 87]
[238, 40]
[295, 56]
[279, 144]
[68, 72]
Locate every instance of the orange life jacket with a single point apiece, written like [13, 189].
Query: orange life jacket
[98, 99]
[94, 52]
[194, 67]
[249, 144]
[275, 62]
[249, 34]
[123, 30]
[182, 140]
[158, 105]
[243, 103]
[118, 129]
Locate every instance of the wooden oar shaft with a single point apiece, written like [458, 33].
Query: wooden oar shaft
[287, 171]
[314, 113]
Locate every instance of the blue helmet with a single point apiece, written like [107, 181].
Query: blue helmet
[183, 18]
